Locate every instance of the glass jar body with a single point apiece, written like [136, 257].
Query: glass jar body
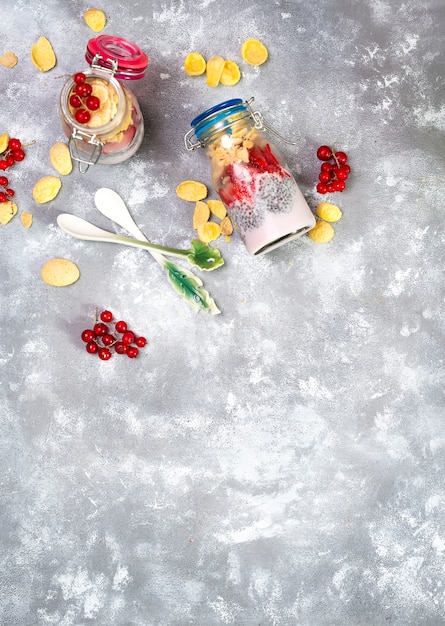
[115, 130]
[251, 177]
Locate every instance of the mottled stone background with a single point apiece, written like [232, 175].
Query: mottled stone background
[281, 463]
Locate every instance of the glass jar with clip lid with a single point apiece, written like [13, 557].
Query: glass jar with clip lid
[99, 113]
[262, 198]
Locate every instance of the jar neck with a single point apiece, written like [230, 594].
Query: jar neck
[84, 129]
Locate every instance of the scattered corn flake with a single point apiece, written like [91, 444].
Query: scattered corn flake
[4, 139]
[95, 19]
[26, 219]
[9, 59]
[60, 272]
[328, 212]
[60, 157]
[209, 232]
[254, 52]
[226, 226]
[231, 74]
[217, 207]
[46, 189]
[42, 55]
[7, 211]
[215, 66]
[227, 238]
[191, 190]
[201, 214]
[322, 232]
[194, 64]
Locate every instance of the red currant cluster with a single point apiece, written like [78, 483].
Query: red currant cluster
[14, 152]
[5, 192]
[334, 170]
[100, 339]
[82, 97]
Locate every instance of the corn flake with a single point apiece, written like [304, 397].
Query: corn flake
[201, 214]
[60, 272]
[322, 232]
[226, 226]
[328, 212]
[194, 64]
[26, 219]
[46, 189]
[95, 19]
[42, 55]
[9, 59]
[191, 190]
[7, 211]
[215, 66]
[217, 208]
[60, 158]
[231, 74]
[4, 139]
[209, 232]
[254, 52]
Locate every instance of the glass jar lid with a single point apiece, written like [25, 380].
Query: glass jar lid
[123, 57]
[217, 117]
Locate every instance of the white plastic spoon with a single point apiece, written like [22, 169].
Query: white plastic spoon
[110, 204]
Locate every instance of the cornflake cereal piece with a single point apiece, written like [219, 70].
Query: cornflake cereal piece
[254, 52]
[7, 211]
[42, 55]
[328, 212]
[217, 208]
[60, 272]
[322, 232]
[215, 66]
[226, 226]
[95, 19]
[46, 189]
[230, 74]
[209, 232]
[201, 214]
[26, 219]
[4, 142]
[194, 64]
[60, 157]
[9, 59]
[191, 190]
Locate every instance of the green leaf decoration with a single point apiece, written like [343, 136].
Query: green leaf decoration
[190, 288]
[204, 256]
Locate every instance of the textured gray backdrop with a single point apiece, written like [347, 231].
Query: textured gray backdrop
[281, 463]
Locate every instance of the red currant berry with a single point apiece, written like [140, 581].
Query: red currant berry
[75, 101]
[14, 144]
[107, 339]
[18, 154]
[322, 188]
[324, 153]
[100, 329]
[324, 177]
[10, 192]
[132, 352]
[331, 187]
[3, 165]
[4, 182]
[10, 159]
[3, 197]
[346, 168]
[79, 77]
[91, 347]
[326, 167]
[121, 326]
[104, 354]
[82, 116]
[92, 103]
[87, 335]
[342, 173]
[341, 157]
[128, 337]
[87, 90]
[339, 185]
[106, 316]
[141, 342]
[80, 90]
[120, 347]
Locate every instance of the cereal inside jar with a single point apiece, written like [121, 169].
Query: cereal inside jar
[99, 113]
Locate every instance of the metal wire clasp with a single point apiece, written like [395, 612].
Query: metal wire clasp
[95, 64]
[259, 123]
[96, 151]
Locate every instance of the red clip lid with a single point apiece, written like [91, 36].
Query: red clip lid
[131, 61]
